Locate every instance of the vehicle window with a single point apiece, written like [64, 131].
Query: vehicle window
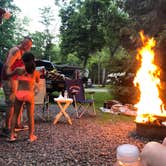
[48, 65]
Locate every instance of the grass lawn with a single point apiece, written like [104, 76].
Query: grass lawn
[99, 98]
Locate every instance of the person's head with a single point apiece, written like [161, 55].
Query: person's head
[4, 15]
[26, 44]
[7, 15]
[29, 62]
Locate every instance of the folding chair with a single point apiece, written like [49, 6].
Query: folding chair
[3, 108]
[76, 91]
[42, 101]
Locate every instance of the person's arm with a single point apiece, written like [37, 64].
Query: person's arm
[37, 80]
[37, 76]
[12, 57]
[18, 71]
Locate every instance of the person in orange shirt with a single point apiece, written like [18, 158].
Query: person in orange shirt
[27, 84]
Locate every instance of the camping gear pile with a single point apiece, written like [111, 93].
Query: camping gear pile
[115, 107]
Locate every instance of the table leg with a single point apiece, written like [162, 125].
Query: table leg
[67, 117]
[57, 117]
[63, 110]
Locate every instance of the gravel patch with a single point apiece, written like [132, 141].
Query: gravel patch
[89, 141]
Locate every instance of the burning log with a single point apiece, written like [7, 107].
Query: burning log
[162, 118]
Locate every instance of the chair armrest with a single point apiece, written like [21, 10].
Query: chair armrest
[90, 93]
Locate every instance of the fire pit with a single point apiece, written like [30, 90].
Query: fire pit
[154, 127]
[151, 130]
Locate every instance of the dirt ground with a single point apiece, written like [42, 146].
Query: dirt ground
[88, 141]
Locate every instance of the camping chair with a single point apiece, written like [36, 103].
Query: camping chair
[76, 91]
[3, 107]
[42, 101]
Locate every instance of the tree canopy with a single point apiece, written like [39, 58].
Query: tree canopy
[80, 31]
[88, 26]
[7, 34]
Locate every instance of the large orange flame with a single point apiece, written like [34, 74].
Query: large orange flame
[147, 80]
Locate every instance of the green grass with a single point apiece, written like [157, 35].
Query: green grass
[1, 92]
[100, 98]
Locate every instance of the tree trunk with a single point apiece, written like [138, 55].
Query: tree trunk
[99, 73]
[103, 77]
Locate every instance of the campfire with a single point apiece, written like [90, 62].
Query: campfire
[150, 113]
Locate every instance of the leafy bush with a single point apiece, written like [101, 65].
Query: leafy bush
[123, 89]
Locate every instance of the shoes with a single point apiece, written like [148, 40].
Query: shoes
[21, 127]
[11, 139]
[32, 138]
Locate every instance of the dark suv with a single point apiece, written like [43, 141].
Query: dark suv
[54, 80]
[47, 64]
[56, 74]
[69, 71]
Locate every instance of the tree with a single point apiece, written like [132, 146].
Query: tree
[46, 19]
[56, 55]
[21, 29]
[114, 19]
[38, 44]
[39, 49]
[7, 29]
[12, 30]
[80, 31]
[99, 66]
[90, 25]
[147, 15]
